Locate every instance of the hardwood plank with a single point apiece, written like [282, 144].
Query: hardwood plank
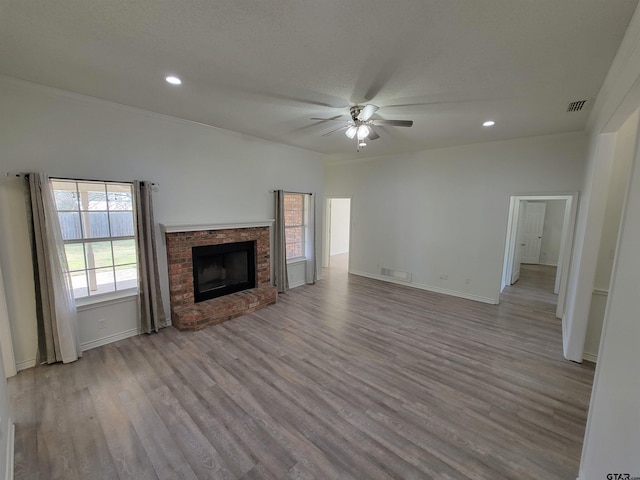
[346, 379]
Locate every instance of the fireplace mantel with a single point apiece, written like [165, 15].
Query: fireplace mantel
[175, 228]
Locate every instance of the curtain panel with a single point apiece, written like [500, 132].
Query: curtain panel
[56, 313]
[311, 274]
[151, 316]
[281, 278]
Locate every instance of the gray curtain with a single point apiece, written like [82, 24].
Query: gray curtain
[56, 313]
[281, 278]
[311, 275]
[151, 316]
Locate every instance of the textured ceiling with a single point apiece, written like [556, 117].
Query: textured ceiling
[264, 67]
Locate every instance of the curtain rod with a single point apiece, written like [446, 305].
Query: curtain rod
[297, 193]
[75, 179]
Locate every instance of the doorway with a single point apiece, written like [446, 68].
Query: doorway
[337, 234]
[526, 243]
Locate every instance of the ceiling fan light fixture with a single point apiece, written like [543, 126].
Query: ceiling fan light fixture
[362, 143]
[363, 132]
[351, 131]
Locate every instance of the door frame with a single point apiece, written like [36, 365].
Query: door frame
[566, 241]
[326, 243]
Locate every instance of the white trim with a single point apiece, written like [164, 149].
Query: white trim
[176, 228]
[429, 288]
[108, 339]
[26, 364]
[565, 336]
[601, 292]
[295, 285]
[591, 357]
[105, 300]
[296, 260]
[548, 264]
[566, 241]
[11, 435]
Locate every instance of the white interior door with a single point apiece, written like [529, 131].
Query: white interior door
[532, 235]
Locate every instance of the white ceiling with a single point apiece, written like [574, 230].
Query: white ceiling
[264, 67]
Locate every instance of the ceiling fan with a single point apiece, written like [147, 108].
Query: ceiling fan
[362, 126]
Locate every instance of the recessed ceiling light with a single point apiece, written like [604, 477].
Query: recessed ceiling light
[489, 123]
[173, 80]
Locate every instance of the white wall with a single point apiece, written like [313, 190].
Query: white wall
[612, 438]
[6, 341]
[444, 212]
[206, 175]
[340, 214]
[612, 435]
[552, 232]
[618, 184]
[6, 426]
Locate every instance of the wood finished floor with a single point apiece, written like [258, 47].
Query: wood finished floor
[348, 379]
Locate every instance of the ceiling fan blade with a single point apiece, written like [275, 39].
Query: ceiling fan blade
[373, 135]
[394, 123]
[367, 112]
[338, 118]
[334, 130]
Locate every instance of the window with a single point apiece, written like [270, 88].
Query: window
[97, 223]
[294, 223]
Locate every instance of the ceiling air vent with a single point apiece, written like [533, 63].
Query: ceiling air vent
[576, 106]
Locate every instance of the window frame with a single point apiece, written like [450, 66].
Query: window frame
[84, 240]
[302, 226]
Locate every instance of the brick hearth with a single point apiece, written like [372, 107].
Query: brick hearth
[188, 315]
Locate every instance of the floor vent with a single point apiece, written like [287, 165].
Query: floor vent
[576, 106]
[396, 274]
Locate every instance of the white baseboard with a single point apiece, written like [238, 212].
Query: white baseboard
[108, 339]
[8, 475]
[548, 264]
[26, 364]
[591, 357]
[429, 288]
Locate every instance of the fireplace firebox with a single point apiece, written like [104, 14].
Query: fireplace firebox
[223, 269]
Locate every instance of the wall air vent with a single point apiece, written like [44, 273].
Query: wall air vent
[576, 106]
[396, 274]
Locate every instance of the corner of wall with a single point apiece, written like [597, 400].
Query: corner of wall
[11, 435]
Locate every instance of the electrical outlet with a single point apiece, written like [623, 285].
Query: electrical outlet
[467, 281]
[101, 324]
[444, 277]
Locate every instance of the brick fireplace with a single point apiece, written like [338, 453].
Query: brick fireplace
[186, 314]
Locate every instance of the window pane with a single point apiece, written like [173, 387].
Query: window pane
[95, 224]
[293, 209]
[124, 251]
[70, 226]
[293, 239]
[91, 211]
[98, 254]
[119, 197]
[101, 280]
[75, 256]
[93, 196]
[126, 277]
[121, 224]
[65, 195]
[79, 284]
